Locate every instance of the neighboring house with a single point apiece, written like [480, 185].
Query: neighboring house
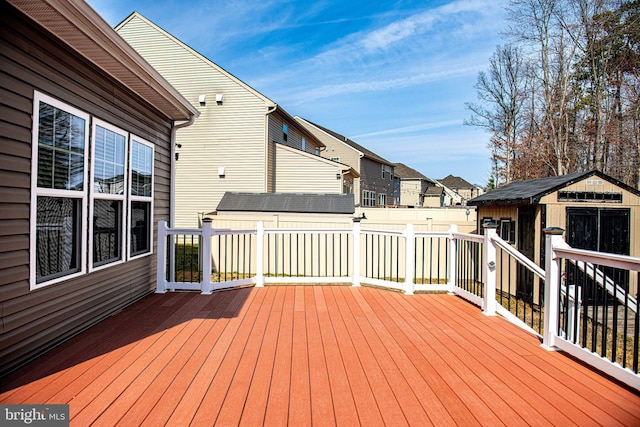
[375, 184]
[458, 190]
[414, 188]
[242, 141]
[86, 143]
[435, 197]
[597, 211]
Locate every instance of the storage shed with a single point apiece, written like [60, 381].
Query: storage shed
[597, 211]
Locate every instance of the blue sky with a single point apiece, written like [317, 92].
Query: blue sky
[391, 75]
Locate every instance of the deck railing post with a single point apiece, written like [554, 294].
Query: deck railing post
[489, 302]
[205, 280]
[453, 251]
[410, 236]
[356, 252]
[553, 237]
[161, 254]
[260, 254]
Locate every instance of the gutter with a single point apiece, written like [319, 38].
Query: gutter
[172, 183]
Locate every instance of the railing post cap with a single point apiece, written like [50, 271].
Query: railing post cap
[207, 219]
[553, 231]
[490, 225]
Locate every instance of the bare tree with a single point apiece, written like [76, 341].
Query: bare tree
[501, 93]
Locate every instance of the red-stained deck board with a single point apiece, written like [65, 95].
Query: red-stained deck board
[315, 355]
[277, 412]
[363, 395]
[258, 393]
[153, 380]
[322, 413]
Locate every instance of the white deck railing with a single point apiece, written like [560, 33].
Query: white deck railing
[483, 269]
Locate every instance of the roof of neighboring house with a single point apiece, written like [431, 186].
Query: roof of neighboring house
[455, 182]
[403, 171]
[365, 152]
[81, 28]
[434, 191]
[530, 191]
[287, 202]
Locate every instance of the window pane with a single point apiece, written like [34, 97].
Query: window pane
[61, 138]
[140, 228]
[57, 237]
[108, 176]
[141, 169]
[107, 231]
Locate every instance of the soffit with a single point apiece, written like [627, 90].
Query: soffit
[81, 28]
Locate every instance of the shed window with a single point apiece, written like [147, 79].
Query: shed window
[285, 132]
[507, 230]
[70, 219]
[589, 196]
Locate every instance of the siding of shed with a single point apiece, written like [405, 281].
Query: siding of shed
[557, 214]
[298, 173]
[33, 321]
[230, 135]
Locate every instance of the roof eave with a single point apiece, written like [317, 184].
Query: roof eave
[86, 32]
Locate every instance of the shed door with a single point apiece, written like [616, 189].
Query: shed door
[603, 230]
[526, 245]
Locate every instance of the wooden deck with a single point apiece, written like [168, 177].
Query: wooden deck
[315, 355]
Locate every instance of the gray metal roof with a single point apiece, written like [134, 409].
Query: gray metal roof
[530, 191]
[287, 202]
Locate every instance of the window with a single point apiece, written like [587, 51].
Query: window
[387, 171]
[304, 144]
[382, 199]
[285, 132]
[108, 180]
[141, 197]
[58, 202]
[589, 196]
[368, 198]
[79, 211]
[507, 230]
[317, 151]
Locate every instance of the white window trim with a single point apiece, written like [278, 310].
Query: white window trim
[107, 196]
[70, 194]
[133, 198]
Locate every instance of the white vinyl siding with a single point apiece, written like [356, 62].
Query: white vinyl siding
[298, 172]
[230, 135]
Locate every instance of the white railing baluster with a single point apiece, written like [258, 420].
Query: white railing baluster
[205, 279]
[453, 252]
[552, 287]
[356, 252]
[161, 271]
[489, 302]
[260, 254]
[410, 238]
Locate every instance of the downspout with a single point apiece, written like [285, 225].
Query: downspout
[270, 109]
[172, 184]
